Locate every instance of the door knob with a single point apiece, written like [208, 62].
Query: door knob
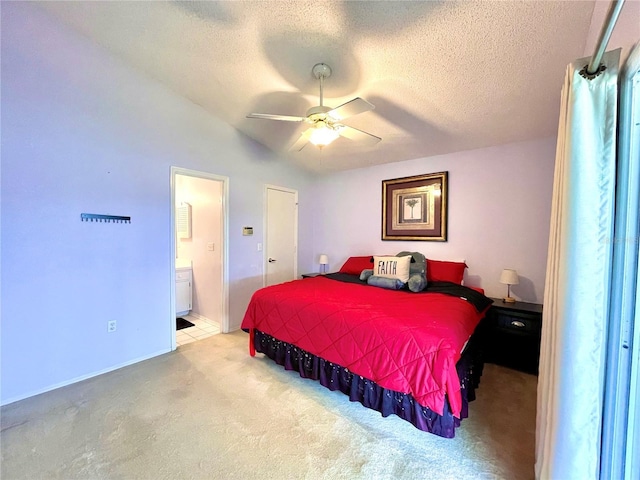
[271, 260]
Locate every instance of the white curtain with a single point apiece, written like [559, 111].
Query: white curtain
[570, 382]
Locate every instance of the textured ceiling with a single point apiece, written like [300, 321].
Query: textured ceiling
[443, 76]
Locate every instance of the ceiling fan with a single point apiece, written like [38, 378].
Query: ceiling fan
[325, 121]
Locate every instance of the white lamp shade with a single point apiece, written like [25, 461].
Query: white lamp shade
[324, 260]
[322, 135]
[509, 277]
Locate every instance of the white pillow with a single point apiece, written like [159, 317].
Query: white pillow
[392, 267]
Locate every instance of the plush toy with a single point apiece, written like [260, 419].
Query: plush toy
[385, 282]
[418, 271]
[417, 282]
[365, 274]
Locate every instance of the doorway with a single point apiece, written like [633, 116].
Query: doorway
[281, 235]
[199, 218]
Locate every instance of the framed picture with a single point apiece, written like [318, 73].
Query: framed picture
[415, 208]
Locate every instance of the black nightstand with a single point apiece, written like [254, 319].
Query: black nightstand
[309, 275]
[512, 335]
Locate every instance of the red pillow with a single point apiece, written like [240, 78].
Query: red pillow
[438, 271]
[355, 265]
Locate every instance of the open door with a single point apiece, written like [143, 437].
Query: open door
[202, 245]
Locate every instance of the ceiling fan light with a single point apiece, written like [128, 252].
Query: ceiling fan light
[323, 135]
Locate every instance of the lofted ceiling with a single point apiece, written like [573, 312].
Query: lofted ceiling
[443, 76]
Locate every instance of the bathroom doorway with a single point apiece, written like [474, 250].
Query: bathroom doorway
[200, 287]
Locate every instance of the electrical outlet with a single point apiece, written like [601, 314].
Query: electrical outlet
[111, 326]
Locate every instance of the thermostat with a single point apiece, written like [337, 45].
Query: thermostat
[247, 231]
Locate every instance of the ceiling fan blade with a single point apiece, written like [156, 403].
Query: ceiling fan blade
[302, 141]
[351, 108]
[284, 118]
[357, 135]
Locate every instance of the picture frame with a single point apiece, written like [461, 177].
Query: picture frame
[415, 208]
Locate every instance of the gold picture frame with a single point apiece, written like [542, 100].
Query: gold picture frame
[415, 208]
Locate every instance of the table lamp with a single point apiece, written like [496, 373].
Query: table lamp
[509, 277]
[324, 260]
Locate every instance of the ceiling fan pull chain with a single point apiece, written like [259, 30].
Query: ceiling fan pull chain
[321, 89]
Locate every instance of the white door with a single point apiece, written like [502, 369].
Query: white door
[281, 235]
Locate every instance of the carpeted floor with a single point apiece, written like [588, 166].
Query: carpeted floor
[209, 411]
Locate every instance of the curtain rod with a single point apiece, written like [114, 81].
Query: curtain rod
[605, 35]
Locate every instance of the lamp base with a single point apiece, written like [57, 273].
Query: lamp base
[509, 300]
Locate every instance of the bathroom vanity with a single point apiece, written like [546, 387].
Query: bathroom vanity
[184, 282]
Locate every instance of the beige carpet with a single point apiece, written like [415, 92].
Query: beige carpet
[210, 411]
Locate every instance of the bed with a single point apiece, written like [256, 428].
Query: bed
[412, 354]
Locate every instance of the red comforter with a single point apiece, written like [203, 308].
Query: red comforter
[403, 341]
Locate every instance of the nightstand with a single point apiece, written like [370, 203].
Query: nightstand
[310, 275]
[512, 335]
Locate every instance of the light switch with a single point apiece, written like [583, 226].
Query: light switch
[259, 247]
[210, 246]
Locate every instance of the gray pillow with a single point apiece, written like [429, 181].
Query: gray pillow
[384, 282]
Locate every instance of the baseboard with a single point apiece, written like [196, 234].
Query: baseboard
[82, 377]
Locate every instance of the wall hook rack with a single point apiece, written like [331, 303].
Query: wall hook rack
[94, 217]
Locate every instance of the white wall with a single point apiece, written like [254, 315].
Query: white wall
[499, 211]
[205, 198]
[81, 132]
